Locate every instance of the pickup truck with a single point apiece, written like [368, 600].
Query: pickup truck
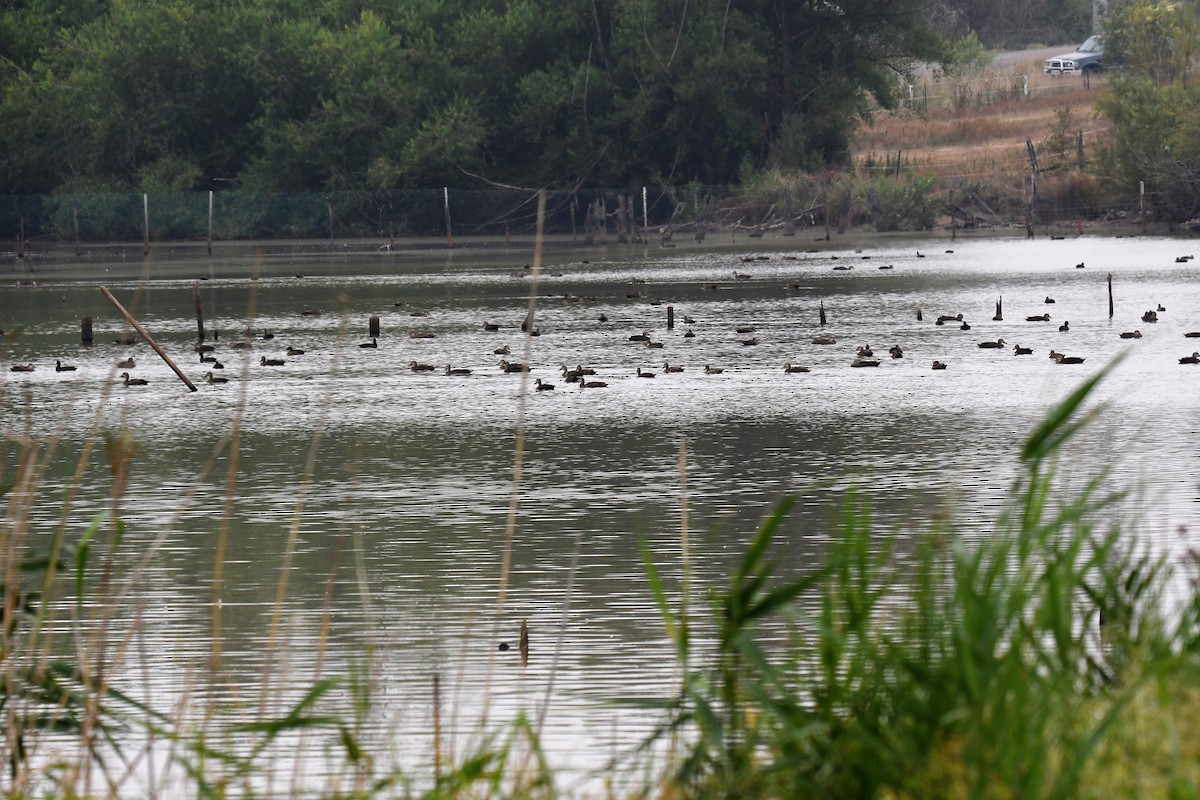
[1087, 59]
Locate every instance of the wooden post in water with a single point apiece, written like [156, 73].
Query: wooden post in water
[446, 207]
[199, 313]
[373, 326]
[999, 311]
[822, 312]
[85, 332]
[670, 317]
[145, 224]
[524, 647]
[1110, 297]
[919, 317]
[142, 331]
[210, 221]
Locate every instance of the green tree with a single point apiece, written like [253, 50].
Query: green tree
[1154, 106]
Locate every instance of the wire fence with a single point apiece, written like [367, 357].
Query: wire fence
[588, 216]
[200, 216]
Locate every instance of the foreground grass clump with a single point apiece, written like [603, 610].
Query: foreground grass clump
[1039, 662]
[1048, 660]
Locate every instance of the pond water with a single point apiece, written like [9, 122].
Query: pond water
[399, 484]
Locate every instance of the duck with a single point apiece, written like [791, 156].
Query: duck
[411, 335]
[418, 367]
[1194, 358]
[510, 366]
[1068, 359]
[267, 336]
[271, 362]
[61, 367]
[1079, 265]
[1022, 351]
[688, 320]
[371, 345]
[944, 318]
[1049, 300]
[1183, 259]
[896, 352]
[713, 370]
[21, 368]
[602, 318]
[582, 370]
[690, 335]
[964, 327]
[788, 368]
[1038, 318]
[654, 345]
[126, 364]
[745, 329]
[992, 345]
[1150, 316]
[750, 342]
[865, 351]
[644, 336]
[824, 340]
[217, 365]
[642, 374]
[457, 370]
[295, 351]
[502, 351]
[134, 381]
[1160, 307]
[864, 362]
[204, 348]
[938, 365]
[1192, 335]
[209, 378]
[1054, 355]
[1066, 326]
[206, 358]
[591, 384]
[542, 387]
[491, 326]
[668, 368]
[1131, 335]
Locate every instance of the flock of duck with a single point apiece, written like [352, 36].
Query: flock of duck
[584, 377]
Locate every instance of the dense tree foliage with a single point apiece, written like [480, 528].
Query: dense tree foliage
[284, 94]
[1153, 101]
[1018, 23]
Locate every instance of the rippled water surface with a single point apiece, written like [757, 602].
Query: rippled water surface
[398, 483]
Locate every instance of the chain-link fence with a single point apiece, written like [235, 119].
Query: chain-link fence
[587, 216]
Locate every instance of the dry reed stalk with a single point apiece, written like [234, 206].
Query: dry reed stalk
[514, 496]
[235, 438]
[293, 536]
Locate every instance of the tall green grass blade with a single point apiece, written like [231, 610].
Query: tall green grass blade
[81, 554]
[1061, 423]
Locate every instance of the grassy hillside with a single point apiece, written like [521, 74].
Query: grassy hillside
[976, 126]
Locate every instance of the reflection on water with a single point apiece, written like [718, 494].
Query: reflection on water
[410, 486]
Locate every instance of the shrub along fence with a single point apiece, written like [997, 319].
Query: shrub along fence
[899, 202]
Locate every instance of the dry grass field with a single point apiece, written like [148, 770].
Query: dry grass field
[976, 126]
